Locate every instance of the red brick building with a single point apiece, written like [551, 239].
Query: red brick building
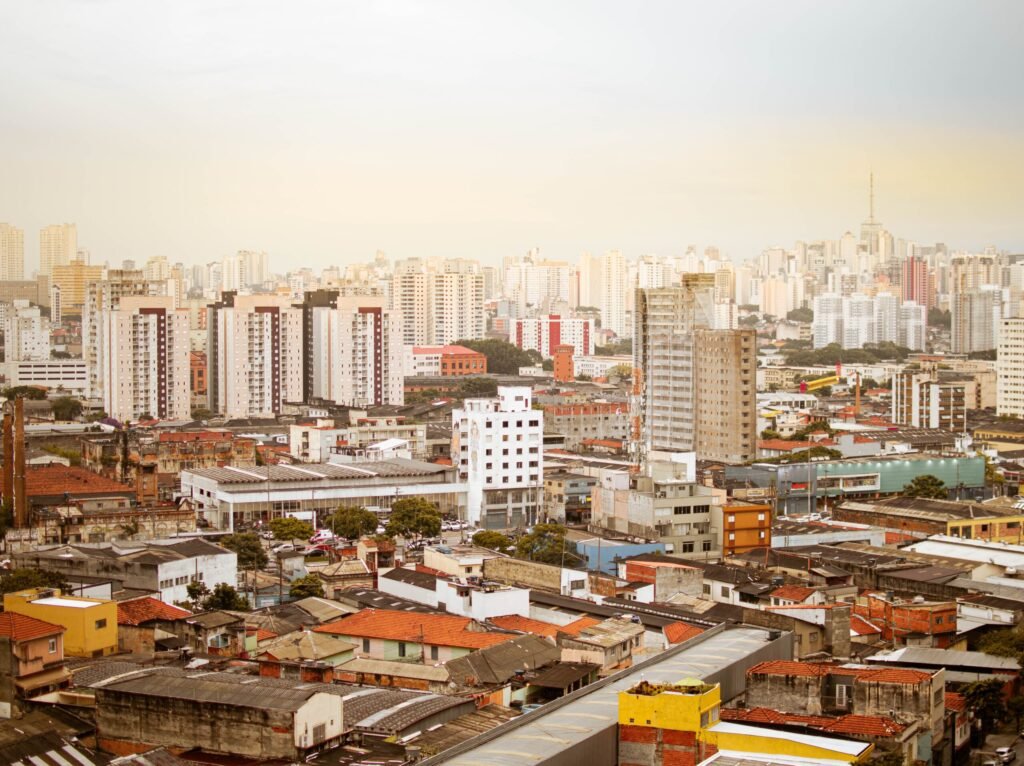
[917, 623]
[197, 360]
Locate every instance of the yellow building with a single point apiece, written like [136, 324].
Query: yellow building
[91, 623]
[72, 279]
[660, 724]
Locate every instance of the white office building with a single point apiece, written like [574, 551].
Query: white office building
[497, 447]
[26, 333]
[1010, 368]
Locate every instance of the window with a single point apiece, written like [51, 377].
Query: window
[706, 545]
[688, 548]
[841, 691]
[401, 648]
[319, 733]
[366, 646]
[725, 591]
[53, 646]
[433, 652]
[101, 624]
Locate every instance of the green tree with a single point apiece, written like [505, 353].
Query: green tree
[770, 433]
[985, 700]
[475, 386]
[201, 413]
[889, 758]
[547, 544]
[1015, 707]
[224, 596]
[66, 408]
[414, 517]
[29, 392]
[548, 365]
[289, 528]
[495, 541]
[927, 486]
[623, 371]
[1006, 642]
[804, 456]
[307, 587]
[249, 549]
[939, 318]
[802, 314]
[617, 348]
[131, 528]
[352, 522]
[24, 578]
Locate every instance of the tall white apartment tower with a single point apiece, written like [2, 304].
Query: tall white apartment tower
[12, 252]
[254, 355]
[354, 351]
[497, 445]
[144, 354]
[827, 327]
[613, 282]
[58, 246]
[409, 297]
[26, 333]
[1010, 368]
[456, 303]
[105, 295]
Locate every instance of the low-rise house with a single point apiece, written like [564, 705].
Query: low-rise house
[394, 675]
[345, 574]
[499, 674]
[31, 660]
[220, 633]
[829, 689]
[459, 560]
[910, 623]
[790, 595]
[306, 646]
[669, 577]
[961, 667]
[146, 625]
[90, 624]
[609, 644]
[479, 601]
[393, 635]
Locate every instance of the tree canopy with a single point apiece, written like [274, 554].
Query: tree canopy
[495, 541]
[547, 544]
[617, 348]
[503, 358]
[251, 554]
[985, 700]
[352, 522]
[414, 517]
[926, 486]
[66, 408]
[832, 354]
[310, 586]
[288, 528]
[224, 596]
[802, 314]
[29, 392]
[804, 456]
[24, 578]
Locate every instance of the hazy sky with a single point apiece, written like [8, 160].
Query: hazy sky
[322, 131]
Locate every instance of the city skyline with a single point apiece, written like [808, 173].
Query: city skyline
[321, 138]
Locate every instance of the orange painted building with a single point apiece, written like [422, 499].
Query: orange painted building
[564, 370]
[745, 527]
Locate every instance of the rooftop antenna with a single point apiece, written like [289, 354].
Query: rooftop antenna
[871, 197]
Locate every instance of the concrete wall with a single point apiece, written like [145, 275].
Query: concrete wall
[8, 665]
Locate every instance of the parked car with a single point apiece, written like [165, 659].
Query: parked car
[282, 547]
[1006, 754]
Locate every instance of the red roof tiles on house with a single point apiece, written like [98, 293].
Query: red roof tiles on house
[955, 701]
[429, 629]
[797, 593]
[141, 610]
[577, 626]
[816, 670]
[525, 625]
[856, 725]
[677, 632]
[862, 627]
[48, 480]
[21, 627]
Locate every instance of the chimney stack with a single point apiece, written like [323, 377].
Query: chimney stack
[20, 501]
[8, 469]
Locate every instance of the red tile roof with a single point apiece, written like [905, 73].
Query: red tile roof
[798, 593]
[785, 445]
[430, 629]
[955, 702]
[577, 626]
[48, 480]
[813, 670]
[142, 610]
[197, 436]
[446, 350]
[862, 627]
[677, 632]
[21, 627]
[525, 625]
[862, 725]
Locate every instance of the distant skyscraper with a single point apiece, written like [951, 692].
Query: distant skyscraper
[72, 279]
[913, 326]
[1010, 369]
[918, 282]
[58, 246]
[611, 293]
[12, 252]
[976, 318]
[243, 270]
[827, 327]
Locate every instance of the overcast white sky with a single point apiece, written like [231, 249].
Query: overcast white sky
[322, 131]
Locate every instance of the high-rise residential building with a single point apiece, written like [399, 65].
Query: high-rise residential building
[456, 307]
[725, 379]
[243, 270]
[534, 283]
[887, 318]
[667, 348]
[858, 321]
[157, 268]
[26, 333]
[145, 359]
[439, 302]
[977, 313]
[497, 447]
[72, 279]
[913, 326]
[544, 334]
[255, 355]
[1010, 368]
[827, 326]
[58, 246]
[922, 400]
[12, 252]
[105, 295]
[611, 293]
[354, 353]
[918, 282]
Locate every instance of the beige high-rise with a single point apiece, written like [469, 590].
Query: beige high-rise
[58, 246]
[12, 252]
